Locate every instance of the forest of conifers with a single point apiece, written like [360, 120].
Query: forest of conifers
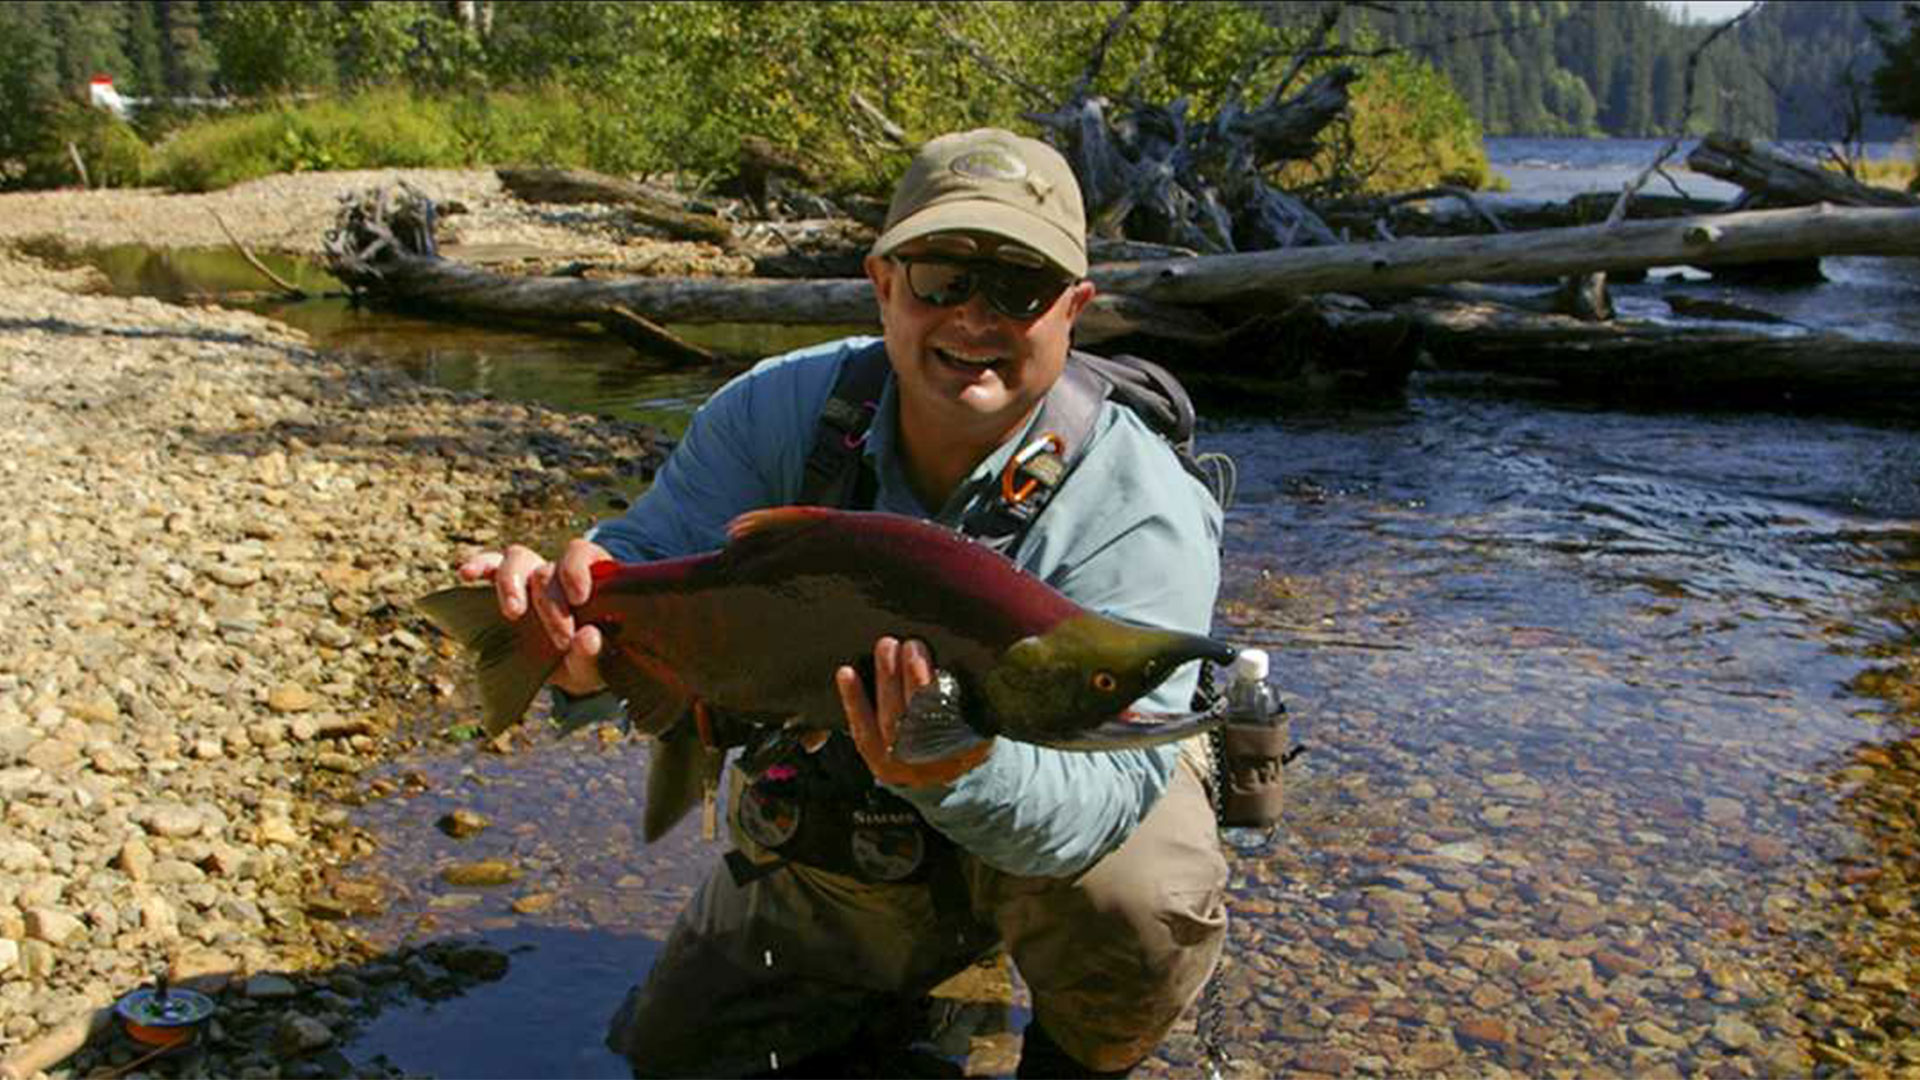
[1600, 67]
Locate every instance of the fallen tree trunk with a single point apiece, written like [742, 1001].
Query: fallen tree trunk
[1782, 179]
[1456, 212]
[1654, 362]
[1755, 236]
[450, 287]
[647, 208]
[1255, 276]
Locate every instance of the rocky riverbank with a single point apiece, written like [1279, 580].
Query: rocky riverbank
[215, 533]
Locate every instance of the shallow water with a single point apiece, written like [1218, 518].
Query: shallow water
[1611, 719]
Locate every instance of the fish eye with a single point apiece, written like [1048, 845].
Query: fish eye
[1104, 682]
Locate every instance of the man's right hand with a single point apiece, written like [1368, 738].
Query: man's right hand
[522, 579]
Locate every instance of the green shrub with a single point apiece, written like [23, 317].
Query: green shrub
[651, 88]
[1405, 129]
[112, 151]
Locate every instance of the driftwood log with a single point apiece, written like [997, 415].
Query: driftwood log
[1149, 174]
[1446, 211]
[1643, 361]
[1759, 235]
[1775, 177]
[648, 208]
[418, 277]
[1267, 317]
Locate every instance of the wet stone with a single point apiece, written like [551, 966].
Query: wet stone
[1719, 810]
[484, 872]
[1735, 1033]
[534, 903]
[298, 1035]
[461, 823]
[268, 986]
[1483, 1031]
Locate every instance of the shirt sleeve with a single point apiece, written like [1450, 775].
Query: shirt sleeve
[1140, 544]
[744, 449]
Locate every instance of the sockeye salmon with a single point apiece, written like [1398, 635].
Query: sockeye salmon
[758, 628]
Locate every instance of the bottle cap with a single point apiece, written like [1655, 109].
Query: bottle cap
[1250, 666]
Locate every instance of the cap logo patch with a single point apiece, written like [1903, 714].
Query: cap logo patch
[989, 165]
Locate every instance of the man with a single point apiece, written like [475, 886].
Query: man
[1101, 873]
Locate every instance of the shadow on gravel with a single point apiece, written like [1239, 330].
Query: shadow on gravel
[518, 1002]
[66, 328]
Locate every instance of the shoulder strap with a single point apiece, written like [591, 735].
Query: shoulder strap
[1038, 469]
[837, 473]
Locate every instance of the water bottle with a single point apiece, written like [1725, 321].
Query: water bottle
[1254, 748]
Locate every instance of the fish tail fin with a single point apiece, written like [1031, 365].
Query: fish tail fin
[514, 657]
[679, 774]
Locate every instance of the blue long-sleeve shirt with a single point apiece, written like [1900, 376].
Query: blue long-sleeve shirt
[1132, 535]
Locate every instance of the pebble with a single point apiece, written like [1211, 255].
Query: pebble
[484, 872]
[461, 823]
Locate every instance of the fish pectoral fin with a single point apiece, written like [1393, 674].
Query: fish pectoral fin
[934, 725]
[655, 696]
[680, 773]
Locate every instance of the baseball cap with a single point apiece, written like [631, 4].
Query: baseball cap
[991, 181]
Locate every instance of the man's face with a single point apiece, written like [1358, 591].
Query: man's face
[970, 366]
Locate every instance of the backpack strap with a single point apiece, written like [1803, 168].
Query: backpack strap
[1036, 470]
[837, 473]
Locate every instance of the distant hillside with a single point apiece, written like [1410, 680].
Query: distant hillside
[1617, 67]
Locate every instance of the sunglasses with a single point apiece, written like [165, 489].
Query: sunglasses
[1018, 292]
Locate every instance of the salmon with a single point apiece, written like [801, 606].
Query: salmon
[758, 628]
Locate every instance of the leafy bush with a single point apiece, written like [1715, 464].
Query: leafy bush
[387, 128]
[112, 151]
[651, 88]
[1405, 129]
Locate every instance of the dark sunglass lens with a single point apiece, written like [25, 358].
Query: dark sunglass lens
[942, 284]
[1022, 294]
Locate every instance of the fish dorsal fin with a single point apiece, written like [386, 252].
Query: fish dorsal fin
[760, 526]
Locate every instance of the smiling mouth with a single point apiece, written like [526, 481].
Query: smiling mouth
[967, 363]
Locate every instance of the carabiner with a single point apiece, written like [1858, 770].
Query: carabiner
[1046, 443]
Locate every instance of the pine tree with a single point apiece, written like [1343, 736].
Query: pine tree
[89, 37]
[28, 84]
[147, 75]
[190, 61]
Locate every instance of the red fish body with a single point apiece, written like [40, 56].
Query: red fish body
[758, 628]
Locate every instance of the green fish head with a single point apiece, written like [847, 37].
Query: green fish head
[1073, 687]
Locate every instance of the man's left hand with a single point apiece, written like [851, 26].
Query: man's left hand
[899, 669]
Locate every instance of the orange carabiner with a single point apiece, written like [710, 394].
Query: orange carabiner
[1048, 442]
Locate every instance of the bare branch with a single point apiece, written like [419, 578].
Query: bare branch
[891, 133]
[293, 291]
[1098, 58]
[1041, 96]
[1316, 43]
[1686, 114]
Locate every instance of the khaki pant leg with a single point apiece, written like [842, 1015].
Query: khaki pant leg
[1116, 955]
[782, 967]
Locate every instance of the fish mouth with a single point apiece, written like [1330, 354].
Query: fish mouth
[1134, 728]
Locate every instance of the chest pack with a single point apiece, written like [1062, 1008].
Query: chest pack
[824, 809]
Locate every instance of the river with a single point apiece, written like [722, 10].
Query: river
[1611, 719]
